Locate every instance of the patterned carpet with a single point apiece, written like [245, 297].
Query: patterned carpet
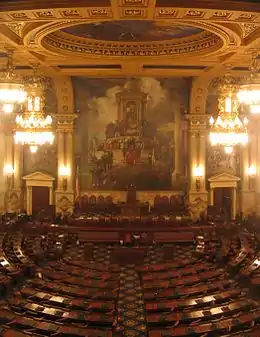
[131, 316]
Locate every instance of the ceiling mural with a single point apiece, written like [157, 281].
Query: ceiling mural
[132, 30]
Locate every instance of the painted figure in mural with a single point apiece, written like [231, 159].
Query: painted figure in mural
[131, 118]
[111, 130]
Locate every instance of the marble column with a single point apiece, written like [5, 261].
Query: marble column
[211, 196]
[202, 157]
[192, 159]
[70, 159]
[51, 195]
[61, 155]
[29, 199]
[234, 203]
[257, 169]
[17, 166]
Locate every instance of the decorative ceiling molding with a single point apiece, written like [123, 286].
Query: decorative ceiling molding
[228, 34]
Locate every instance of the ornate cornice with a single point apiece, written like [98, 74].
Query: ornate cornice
[197, 121]
[11, 5]
[203, 43]
[65, 122]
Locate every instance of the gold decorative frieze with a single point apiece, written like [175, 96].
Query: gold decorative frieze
[19, 16]
[133, 3]
[134, 13]
[71, 13]
[44, 14]
[166, 12]
[246, 16]
[99, 12]
[221, 15]
[194, 13]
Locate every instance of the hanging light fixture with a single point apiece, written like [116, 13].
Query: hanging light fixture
[228, 130]
[33, 127]
[11, 87]
[249, 93]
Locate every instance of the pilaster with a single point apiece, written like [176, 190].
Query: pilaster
[197, 133]
[12, 169]
[65, 193]
[254, 160]
[248, 180]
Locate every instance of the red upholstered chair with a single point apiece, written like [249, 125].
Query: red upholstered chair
[101, 200]
[93, 200]
[108, 200]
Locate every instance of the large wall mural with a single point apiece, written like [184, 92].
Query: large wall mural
[128, 131]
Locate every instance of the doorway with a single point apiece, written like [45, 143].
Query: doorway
[40, 198]
[223, 200]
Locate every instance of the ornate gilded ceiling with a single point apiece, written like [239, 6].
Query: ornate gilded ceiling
[132, 30]
[130, 37]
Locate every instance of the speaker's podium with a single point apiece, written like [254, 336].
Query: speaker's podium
[132, 208]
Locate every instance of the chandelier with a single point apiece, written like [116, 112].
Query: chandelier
[249, 93]
[33, 127]
[228, 130]
[11, 87]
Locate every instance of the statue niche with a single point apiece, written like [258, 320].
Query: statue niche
[128, 152]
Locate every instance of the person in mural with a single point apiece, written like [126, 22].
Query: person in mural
[111, 130]
[131, 118]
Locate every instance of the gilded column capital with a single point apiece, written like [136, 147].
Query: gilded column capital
[65, 122]
[197, 122]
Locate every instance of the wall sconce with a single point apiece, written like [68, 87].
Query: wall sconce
[64, 172]
[198, 173]
[251, 172]
[8, 172]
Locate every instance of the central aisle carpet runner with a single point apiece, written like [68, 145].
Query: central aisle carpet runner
[130, 307]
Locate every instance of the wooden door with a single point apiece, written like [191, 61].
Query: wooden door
[40, 198]
[222, 200]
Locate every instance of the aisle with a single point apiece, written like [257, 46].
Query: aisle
[130, 306]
